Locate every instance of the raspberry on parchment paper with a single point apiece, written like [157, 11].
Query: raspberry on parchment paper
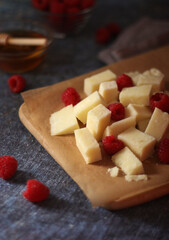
[112, 145]
[117, 111]
[124, 81]
[163, 150]
[70, 96]
[161, 101]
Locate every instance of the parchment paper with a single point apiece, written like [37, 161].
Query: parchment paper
[94, 180]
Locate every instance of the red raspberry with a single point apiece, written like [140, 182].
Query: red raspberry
[57, 7]
[72, 3]
[163, 150]
[112, 145]
[87, 4]
[117, 111]
[16, 83]
[72, 12]
[8, 166]
[41, 4]
[124, 81]
[161, 101]
[70, 96]
[36, 191]
[102, 35]
[113, 28]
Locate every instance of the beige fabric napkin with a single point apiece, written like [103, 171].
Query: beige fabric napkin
[144, 35]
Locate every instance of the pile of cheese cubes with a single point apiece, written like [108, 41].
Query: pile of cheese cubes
[140, 130]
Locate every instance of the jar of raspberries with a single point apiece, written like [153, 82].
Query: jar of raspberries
[65, 16]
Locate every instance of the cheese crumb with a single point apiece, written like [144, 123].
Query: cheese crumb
[136, 178]
[113, 171]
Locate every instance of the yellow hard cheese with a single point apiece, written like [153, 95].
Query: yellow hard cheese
[87, 145]
[136, 178]
[128, 162]
[109, 91]
[92, 83]
[81, 109]
[139, 111]
[63, 121]
[117, 127]
[97, 120]
[134, 76]
[158, 124]
[142, 124]
[136, 94]
[153, 77]
[140, 143]
[113, 171]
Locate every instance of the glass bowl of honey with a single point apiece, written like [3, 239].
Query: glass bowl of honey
[25, 44]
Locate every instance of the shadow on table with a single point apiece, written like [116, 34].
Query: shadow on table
[21, 177]
[53, 203]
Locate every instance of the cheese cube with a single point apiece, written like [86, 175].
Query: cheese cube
[140, 143]
[81, 109]
[128, 162]
[136, 94]
[97, 120]
[87, 145]
[139, 111]
[113, 171]
[134, 76]
[117, 127]
[92, 83]
[63, 121]
[158, 124]
[153, 77]
[109, 91]
[136, 178]
[142, 124]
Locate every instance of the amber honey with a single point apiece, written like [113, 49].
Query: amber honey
[17, 59]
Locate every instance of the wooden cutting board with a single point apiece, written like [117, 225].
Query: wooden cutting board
[94, 180]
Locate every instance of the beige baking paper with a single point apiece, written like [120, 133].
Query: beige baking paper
[94, 180]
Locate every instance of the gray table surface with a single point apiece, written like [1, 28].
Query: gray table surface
[67, 214]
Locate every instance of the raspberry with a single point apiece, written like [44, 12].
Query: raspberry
[36, 191]
[117, 111]
[40, 4]
[102, 35]
[87, 4]
[57, 7]
[124, 81]
[163, 150]
[113, 28]
[8, 166]
[112, 145]
[72, 3]
[16, 83]
[72, 12]
[70, 96]
[161, 101]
